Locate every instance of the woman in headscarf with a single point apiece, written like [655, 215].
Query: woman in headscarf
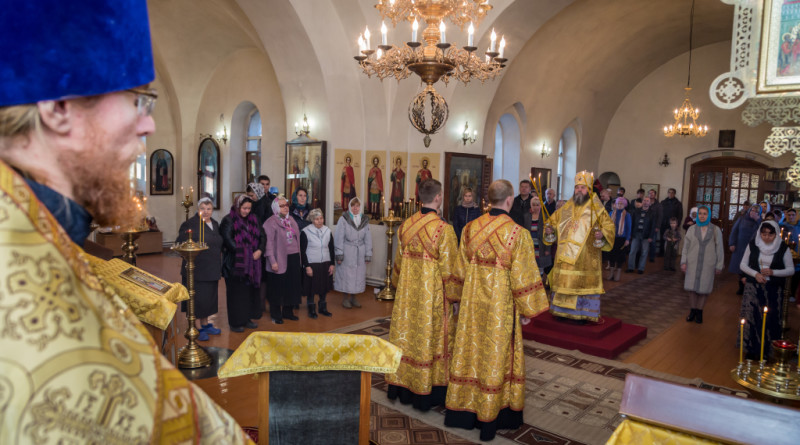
[256, 193]
[702, 258]
[744, 230]
[622, 239]
[690, 219]
[243, 246]
[766, 263]
[208, 265]
[353, 248]
[283, 262]
[300, 208]
[316, 251]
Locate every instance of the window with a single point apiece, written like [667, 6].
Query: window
[138, 172]
[560, 166]
[252, 156]
[568, 160]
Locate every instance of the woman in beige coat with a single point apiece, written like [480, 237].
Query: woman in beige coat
[702, 258]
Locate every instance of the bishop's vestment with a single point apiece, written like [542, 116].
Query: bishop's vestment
[501, 282]
[576, 280]
[422, 317]
[76, 366]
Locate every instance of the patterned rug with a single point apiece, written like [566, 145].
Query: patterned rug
[572, 398]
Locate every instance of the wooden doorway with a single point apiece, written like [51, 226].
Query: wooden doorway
[724, 184]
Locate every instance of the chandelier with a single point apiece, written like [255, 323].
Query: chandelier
[686, 116]
[434, 58]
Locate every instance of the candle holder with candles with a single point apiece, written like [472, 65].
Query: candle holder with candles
[599, 243]
[778, 379]
[192, 355]
[132, 232]
[387, 294]
[187, 204]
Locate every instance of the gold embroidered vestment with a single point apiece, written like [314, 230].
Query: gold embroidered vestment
[501, 282]
[422, 320]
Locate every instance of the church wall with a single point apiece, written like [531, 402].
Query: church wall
[634, 142]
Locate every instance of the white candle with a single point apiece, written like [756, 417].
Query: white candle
[366, 37]
[360, 44]
[493, 41]
[379, 54]
[414, 28]
[471, 36]
[502, 46]
[442, 31]
[384, 31]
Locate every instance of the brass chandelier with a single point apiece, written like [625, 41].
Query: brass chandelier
[686, 116]
[434, 58]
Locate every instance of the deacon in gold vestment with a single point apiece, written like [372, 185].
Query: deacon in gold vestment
[501, 283]
[76, 366]
[576, 280]
[422, 318]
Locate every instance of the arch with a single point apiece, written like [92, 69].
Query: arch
[237, 179]
[567, 161]
[510, 143]
[209, 171]
[609, 178]
[497, 167]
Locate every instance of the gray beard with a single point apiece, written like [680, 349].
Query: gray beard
[580, 199]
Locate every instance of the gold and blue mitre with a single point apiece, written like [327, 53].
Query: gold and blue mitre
[60, 49]
[584, 178]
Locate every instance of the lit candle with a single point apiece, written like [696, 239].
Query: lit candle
[366, 36]
[361, 46]
[741, 340]
[502, 46]
[414, 28]
[379, 54]
[493, 41]
[384, 31]
[763, 330]
[442, 31]
[471, 35]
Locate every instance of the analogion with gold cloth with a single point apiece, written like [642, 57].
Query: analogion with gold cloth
[151, 299]
[422, 319]
[302, 351]
[576, 275]
[639, 433]
[501, 282]
[76, 366]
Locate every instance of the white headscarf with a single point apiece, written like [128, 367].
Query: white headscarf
[356, 218]
[769, 249]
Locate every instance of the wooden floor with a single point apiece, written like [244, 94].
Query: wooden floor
[685, 349]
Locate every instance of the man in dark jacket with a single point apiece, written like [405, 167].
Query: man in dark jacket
[263, 207]
[641, 235]
[638, 198]
[520, 209]
[670, 208]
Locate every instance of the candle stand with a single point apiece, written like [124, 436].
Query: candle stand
[387, 294]
[779, 379]
[192, 355]
[129, 247]
[187, 204]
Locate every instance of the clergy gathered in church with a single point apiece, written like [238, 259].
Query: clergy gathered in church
[176, 177]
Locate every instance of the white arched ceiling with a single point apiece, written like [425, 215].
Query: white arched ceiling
[585, 60]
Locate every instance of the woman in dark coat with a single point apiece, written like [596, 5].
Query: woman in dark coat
[243, 248]
[208, 266]
[743, 231]
[300, 208]
[283, 262]
[317, 254]
[466, 212]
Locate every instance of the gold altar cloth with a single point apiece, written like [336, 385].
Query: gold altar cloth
[639, 433]
[153, 304]
[303, 351]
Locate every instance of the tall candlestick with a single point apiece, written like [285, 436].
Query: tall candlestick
[763, 330]
[741, 341]
[471, 35]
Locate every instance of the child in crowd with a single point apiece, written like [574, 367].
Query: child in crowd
[673, 237]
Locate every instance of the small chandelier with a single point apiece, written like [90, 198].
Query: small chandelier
[434, 58]
[664, 162]
[686, 116]
[546, 151]
[467, 136]
[302, 130]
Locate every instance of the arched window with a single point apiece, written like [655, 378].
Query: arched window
[138, 172]
[497, 169]
[507, 151]
[567, 162]
[252, 156]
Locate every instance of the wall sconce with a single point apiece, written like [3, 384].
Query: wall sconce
[467, 137]
[664, 162]
[304, 129]
[221, 136]
[546, 151]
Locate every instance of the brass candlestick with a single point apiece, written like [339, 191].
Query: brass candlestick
[387, 294]
[129, 246]
[192, 355]
[778, 380]
[187, 203]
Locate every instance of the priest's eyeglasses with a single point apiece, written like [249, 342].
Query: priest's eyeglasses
[145, 100]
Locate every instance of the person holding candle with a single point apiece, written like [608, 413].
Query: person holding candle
[766, 263]
[702, 258]
[243, 249]
[283, 262]
[208, 265]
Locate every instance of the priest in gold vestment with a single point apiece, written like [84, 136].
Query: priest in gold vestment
[581, 225]
[422, 317]
[501, 284]
[76, 366]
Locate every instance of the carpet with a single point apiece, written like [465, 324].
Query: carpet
[572, 398]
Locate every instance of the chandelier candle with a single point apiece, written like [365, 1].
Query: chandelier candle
[384, 31]
[493, 42]
[471, 35]
[442, 29]
[414, 29]
[502, 46]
